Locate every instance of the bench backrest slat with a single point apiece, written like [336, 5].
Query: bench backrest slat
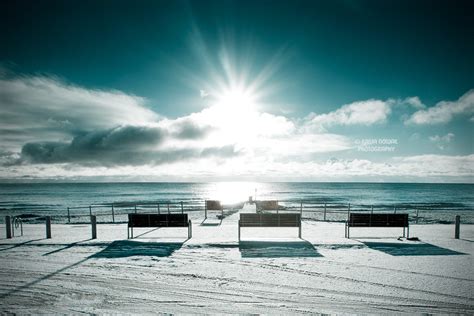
[157, 220]
[378, 220]
[213, 205]
[270, 220]
[267, 205]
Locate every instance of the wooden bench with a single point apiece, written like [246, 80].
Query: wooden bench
[158, 220]
[269, 205]
[270, 220]
[213, 205]
[377, 220]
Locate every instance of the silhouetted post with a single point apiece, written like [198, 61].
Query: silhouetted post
[416, 221]
[182, 209]
[135, 209]
[168, 208]
[348, 210]
[68, 216]
[94, 226]
[8, 226]
[372, 210]
[457, 226]
[48, 226]
[324, 211]
[394, 209]
[301, 208]
[299, 229]
[158, 207]
[90, 210]
[113, 214]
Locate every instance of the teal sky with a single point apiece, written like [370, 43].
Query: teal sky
[313, 58]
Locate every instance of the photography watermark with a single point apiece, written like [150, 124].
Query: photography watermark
[376, 144]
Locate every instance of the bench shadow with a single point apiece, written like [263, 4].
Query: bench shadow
[411, 249]
[19, 245]
[66, 247]
[205, 222]
[147, 232]
[277, 249]
[131, 248]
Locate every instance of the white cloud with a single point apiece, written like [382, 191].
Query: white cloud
[436, 168]
[444, 111]
[46, 121]
[414, 102]
[53, 129]
[203, 93]
[442, 141]
[44, 108]
[367, 112]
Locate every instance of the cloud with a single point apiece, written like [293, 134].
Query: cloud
[444, 111]
[50, 128]
[46, 108]
[414, 102]
[367, 112]
[128, 145]
[442, 141]
[203, 93]
[432, 168]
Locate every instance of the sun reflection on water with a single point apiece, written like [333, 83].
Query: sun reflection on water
[232, 192]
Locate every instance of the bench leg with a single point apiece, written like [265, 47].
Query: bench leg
[131, 228]
[128, 232]
[408, 231]
[190, 229]
[403, 231]
[299, 231]
[239, 230]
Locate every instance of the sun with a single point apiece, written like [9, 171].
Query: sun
[238, 101]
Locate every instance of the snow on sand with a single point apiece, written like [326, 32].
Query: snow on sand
[269, 271]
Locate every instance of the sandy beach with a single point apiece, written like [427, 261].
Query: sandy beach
[269, 271]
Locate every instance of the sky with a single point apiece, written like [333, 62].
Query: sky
[379, 91]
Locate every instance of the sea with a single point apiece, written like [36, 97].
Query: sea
[74, 202]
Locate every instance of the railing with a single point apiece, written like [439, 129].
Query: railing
[116, 211]
[338, 212]
[318, 211]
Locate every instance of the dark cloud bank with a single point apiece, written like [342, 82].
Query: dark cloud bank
[126, 145]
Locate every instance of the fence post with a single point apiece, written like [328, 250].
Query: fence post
[94, 226]
[324, 211]
[8, 226]
[301, 208]
[182, 209]
[135, 209]
[48, 226]
[113, 213]
[372, 210]
[457, 226]
[394, 209]
[90, 210]
[348, 210]
[68, 216]
[158, 206]
[168, 207]
[416, 221]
